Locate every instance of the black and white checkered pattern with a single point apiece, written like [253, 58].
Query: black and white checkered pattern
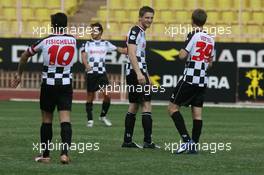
[136, 35]
[195, 73]
[97, 67]
[96, 54]
[56, 75]
[141, 63]
[195, 69]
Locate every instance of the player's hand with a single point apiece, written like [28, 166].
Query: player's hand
[141, 79]
[150, 83]
[15, 82]
[87, 69]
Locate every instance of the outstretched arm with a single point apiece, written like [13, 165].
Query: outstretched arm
[23, 61]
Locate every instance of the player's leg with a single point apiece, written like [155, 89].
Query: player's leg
[45, 137]
[145, 99]
[64, 105]
[197, 123]
[89, 108]
[147, 121]
[47, 106]
[130, 120]
[182, 95]
[197, 106]
[66, 135]
[174, 112]
[103, 85]
[105, 108]
[147, 125]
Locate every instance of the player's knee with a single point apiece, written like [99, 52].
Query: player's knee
[146, 107]
[64, 116]
[90, 97]
[47, 117]
[133, 108]
[196, 113]
[197, 116]
[107, 98]
[172, 109]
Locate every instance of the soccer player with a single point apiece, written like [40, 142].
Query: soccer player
[137, 76]
[58, 51]
[198, 52]
[93, 57]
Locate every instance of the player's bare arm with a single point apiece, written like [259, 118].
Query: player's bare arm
[210, 65]
[134, 63]
[85, 62]
[23, 61]
[183, 54]
[122, 50]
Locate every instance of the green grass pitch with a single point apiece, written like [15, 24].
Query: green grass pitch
[243, 128]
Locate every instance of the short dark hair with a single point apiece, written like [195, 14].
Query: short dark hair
[99, 26]
[59, 20]
[199, 17]
[144, 10]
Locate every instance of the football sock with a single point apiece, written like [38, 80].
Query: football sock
[89, 111]
[105, 107]
[66, 136]
[129, 127]
[197, 129]
[45, 137]
[180, 125]
[147, 126]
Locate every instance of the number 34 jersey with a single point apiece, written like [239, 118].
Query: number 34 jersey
[59, 53]
[200, 47]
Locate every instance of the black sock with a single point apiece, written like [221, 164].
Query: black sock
[45, 137]
[129, 127]
[66, 136]
[89, 111]
[147, 126]
[105, 107]
[180, 125]
[197, 129]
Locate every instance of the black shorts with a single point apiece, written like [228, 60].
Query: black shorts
[94, 82]
[137, 93]
[185, 94]
[52, 96]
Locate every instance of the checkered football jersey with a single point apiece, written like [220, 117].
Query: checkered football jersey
[200, 47]
[136, 35]
[59, 52]
[96, 53]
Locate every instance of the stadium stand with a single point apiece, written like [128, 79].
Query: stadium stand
[244, 16]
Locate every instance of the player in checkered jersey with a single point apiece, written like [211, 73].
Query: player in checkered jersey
[137, 76]
[58, 51]
[93, 57]
[198, 50]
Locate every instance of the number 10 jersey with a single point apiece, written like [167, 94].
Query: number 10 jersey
[59, 53]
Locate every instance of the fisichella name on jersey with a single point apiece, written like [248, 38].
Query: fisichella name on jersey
[206, 39]
[64, 41]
